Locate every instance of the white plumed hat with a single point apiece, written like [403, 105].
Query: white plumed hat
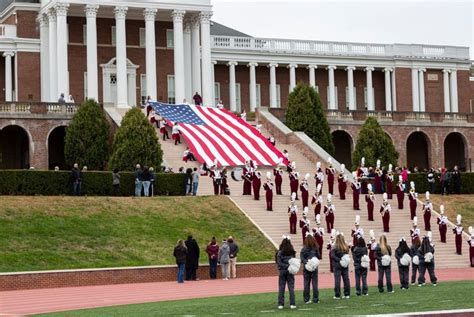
[378, 163]
[429, 235]
[458, 219]
[400, 178]
[357, 221]
[306, 177]
[369, 187]
[216, 162]
[305, 211]
[362, 161]
[415, 221]
[354, 174]
[372, 234]
[427, 195]
[333, 232]
[412, 184]
[390, 166]
[293, 196]
[343, 168]
[269, 175]
[318, 219]
[318, 188]
[471, 231]
[441, 209]
[318, 165]
[329, 197]
[385, 197]
[293, 164]
[329, 161]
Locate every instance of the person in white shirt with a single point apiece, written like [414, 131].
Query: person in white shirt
[175, 134]
[220, 105]
[243, 115]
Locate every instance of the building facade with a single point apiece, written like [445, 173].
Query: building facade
[120, 52]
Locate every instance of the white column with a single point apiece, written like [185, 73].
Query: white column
[121, 54]
[414, 90]
[44, 56]
[150, 52]
[188, 73]
[213, 80]
[53, 53]
[253, 86]
[232, 95]
[62, 42]
[207, 81]
[292, 68]
[370, 89]
[312, 75]
[394, 92]
[447, 105]
[8, 76]
[273, 87]
[92, 72]
[179, 81]
[421, 79]
[388, 90]
[454, 91]
[350, 85]
[332, 88]
[196, 55]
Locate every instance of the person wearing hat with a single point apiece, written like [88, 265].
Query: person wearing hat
[292, 211]
[400, 192]
[389, 182]
[470, 242]
[317, 201]
[293, 176]
[412, 197]
[319, 175]
[342, 183]
[378, 178]
[442, 222]
[256, 184]
[357, 231]
[330, 172]
[371, 246]
[277, 173]
[304, 223]
[427, 208]
[329, 210]
[385, 210]
[304, 187]
[355, 192]
[402, 254]
[329, 247]
[363, 173]
[370, 199]
[415, 232]
[458, 230]
[268, 187]
[318, 233]
[247, 171]
[215, 174]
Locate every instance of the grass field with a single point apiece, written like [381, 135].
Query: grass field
[454, 205]
[446, 296]
[44, 233]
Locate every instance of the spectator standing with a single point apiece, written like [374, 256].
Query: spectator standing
[195, 180]
[116, 182]
[76, 180]
[384, 253]
[359, 252]
[188, 178]
[446, 181]
[212, 251]
[224, 259]
[71, 99]
[61, 98]
[152, 181]
[146, 179]
[180, 253]
[138, 180]
[197, 99]
[431, 180]
[404, 175]
[456, 178]
[285, 253]
[220, 105]
[309, 251]
[192, 260]
[234, 250]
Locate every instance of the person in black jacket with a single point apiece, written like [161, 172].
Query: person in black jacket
[192, 260]
[340, 268]
[180, 252]
[426, 262]
[416, 243]
[456, 178]
[403, 268]
[384, 252]
[358, 251]
[76, 176]
[283, 256]
[310, 250]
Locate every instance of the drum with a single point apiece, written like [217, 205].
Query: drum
[237, 174]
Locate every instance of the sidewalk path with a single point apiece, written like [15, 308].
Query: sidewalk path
[13, 303]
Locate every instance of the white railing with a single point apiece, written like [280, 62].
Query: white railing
[455, 117]
[338, 48]
[7, 31]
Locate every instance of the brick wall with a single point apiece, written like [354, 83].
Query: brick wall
[26, 25]
[29, 76]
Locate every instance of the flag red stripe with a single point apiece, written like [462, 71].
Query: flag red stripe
[201, 142]
[218, 147]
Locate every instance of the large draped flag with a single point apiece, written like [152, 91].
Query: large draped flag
[217, 134]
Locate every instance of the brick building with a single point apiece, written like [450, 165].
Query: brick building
[118, 53]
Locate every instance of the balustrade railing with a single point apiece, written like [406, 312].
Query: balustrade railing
[38, 108]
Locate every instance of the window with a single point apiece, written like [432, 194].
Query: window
[85, 85]
[169, 38]
[336, 103]
[84, 34]
[259, 95]
[142, 36]
[347, 99]
[171, 95]
[143, 92]
[238, 102]
[217, 93]
[114, 38]
[113, 79]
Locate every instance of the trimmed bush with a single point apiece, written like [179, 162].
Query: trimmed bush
[51, 183]
[421, 183]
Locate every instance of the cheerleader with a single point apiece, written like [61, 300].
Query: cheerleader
[292, 211]
[355, 192]
[357, 231]
[426, 260]
[175, 134]
[402, 254]
[285, 254]
[371, 245]
[268, 187]
[330, 172]
[384, 252]
[361, 264]
[304, 187]
[317, 201]
[415, 261]
[310, 257]
[247, 172]
[318, 233]
[470, 242]
[457, 230]
[330, 246]
[216, 177]
[305, 224]
[162, 125]
[370, 199]
[412, 196]
[329, 211]
[340, 262]
[278, 173]
[442, 222]
[256, 183]
[319, 175]
[342, 183]
[389, 183]
[378, 179]
[385, 210]
[400, 192]
[415, 232]
[427, 208]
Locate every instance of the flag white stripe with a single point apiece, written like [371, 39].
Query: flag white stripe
[209, 144]
[224, 148]
[198, 146]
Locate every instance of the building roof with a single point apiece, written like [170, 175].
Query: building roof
[5, 3]
[222, 30]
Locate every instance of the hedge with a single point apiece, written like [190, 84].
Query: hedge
[421, 183]
[53, 183]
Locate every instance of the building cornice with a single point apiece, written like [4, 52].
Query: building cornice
[20, 45]
[18, 6]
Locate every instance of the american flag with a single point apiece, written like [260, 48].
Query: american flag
[217, 134]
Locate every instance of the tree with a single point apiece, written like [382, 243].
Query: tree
[374, 144]
[86, 141]
[305, 113]
[135, 142]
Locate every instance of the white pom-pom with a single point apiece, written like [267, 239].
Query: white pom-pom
[427, 195]
[312, 265]
[293, 196]
[386, 260]
[294, 265]
[365, 261]
[269, 175]
[428, 257]
[405, 260]
[343, 168]
[345, 260]
[416, 260]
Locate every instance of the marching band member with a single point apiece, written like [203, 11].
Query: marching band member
[224, 186]
[278, 172]
[292, 211]
[329, 247]
[162, 125]
[442, 222]
[318, 233]
[216, 177]
[319, 175]
[370, 199]
[268, 186]
[256, 183]
[341, 183]
[384, 263]
[357, 231]
[317, 201]
[304, 223]
[426, 258]
[400, 192]
[415, 232]
[389, 183]
[371, 246]
[362, 173]
[286, 155]
[329, 210]
[385, 210]
[247, 176]
[355, 192]
[175, 134]
[457, 230]
[304, 187]
[293, 176]
[258, 126]
[272, 141]
[378, 179]
[412, 196]
[415, 245]
[330, 172]
[427, 208]
[402, 254]
[471, 246]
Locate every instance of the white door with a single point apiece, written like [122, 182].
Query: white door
[113, 88]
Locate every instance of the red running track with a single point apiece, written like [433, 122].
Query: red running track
[72, 298]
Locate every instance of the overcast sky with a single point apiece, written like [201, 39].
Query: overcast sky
[383, 21]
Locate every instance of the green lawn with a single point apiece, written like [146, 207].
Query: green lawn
[446, 296]
[454, 205]
[44, 233]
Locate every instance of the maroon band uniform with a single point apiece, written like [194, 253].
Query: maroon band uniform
[278, 180]
[372, 255]
[355, 195]
[370, 198]
[412, 198]
[319, 236]
[342, 186]
[317, 202]
[458, 230]
[427, 207]
[292, 210]
[389, 185]
[268, 186]
[256, 183]
[329, 210]
[305, 226]
[385, 210]
[400, 195]
[330, 171]
[215, 174]
[442, 222]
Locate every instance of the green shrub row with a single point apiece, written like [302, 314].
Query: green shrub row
[52, 183]
[421, 183]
